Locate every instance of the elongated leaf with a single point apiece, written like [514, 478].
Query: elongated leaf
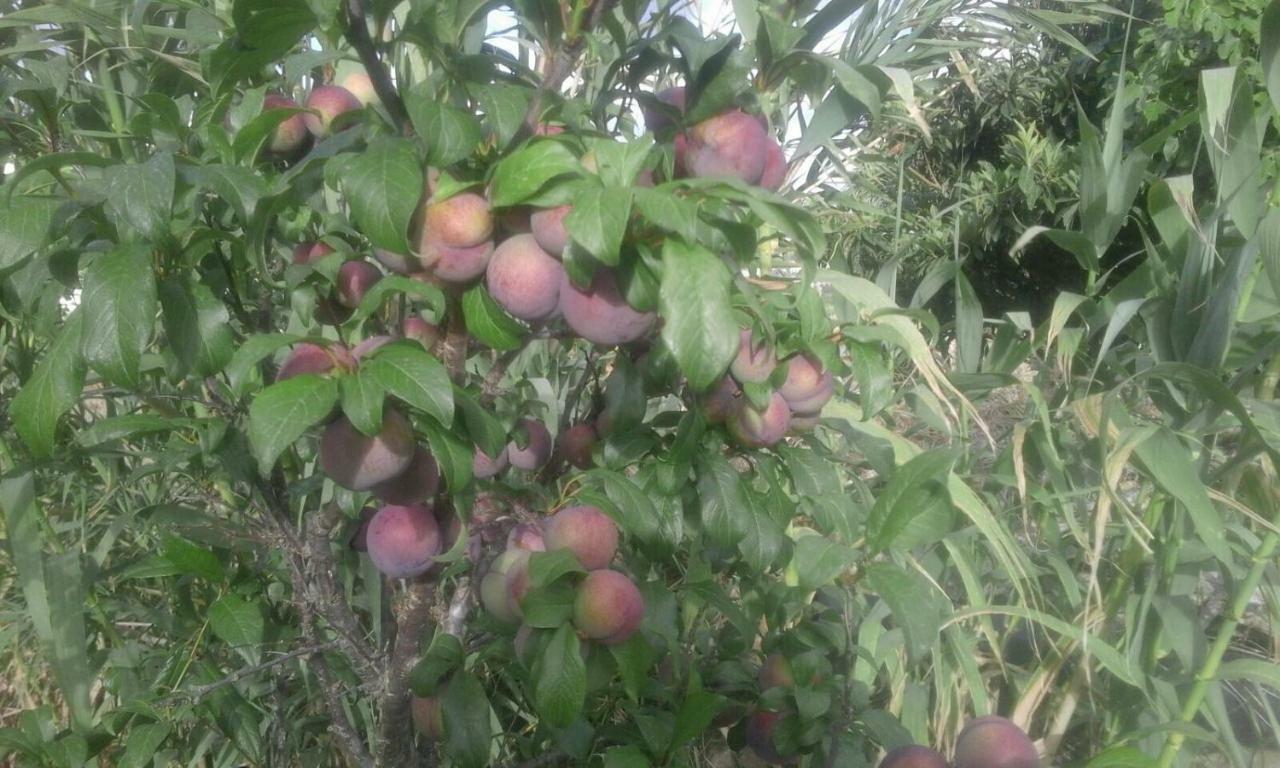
[561, 686]
[139, 197]
[196, 326]
[24, 227]
[699, 330]
[54, 387]
[467, 729]
[914, 508]
[383, 185]
[409, 372]
[284, 411]
[520, 175]
[1270, 38]
[66, 585]
[488, 322]
[119, 305]
[918, 609]
[818, 561]
[1167, 461]
[450, 133]
[719, 490]
[238, 623]
[598, 221]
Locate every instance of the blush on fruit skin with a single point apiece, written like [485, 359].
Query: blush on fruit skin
[759, 428]
[455, 265]
[418, 482]
[484, 466]
[313, 358]
[402, 540]
[329, 101]
[775, 167]
[358, 462]
[421, 331]
[354, 280]
[291, 134]
[524, 278]
[461, 221]
[361, 86]
[995, 742]
[600, 314]
[808, 385]
[547, 226]
[589, 533]
[536, 452]
[311, 252]
[719, 403]
[913, 756]
[755, 360]
[759, 735]
[730, 145]
[609, 607]
[369, 345]
[401, 264]
[526, 536]
[575, 443]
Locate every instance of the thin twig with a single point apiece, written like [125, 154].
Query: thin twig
[201, 691]
[356, 30]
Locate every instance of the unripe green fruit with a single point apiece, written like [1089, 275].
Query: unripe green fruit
[359, 462]
[609, 607]
[402, 540]
[994, 742]
[913, 756]
[328, 102]
[524, 278]
[600, 314]
[507, 575]
[590, 534]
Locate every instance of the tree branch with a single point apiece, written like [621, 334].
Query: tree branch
[356, 30]
[201, 691]
[413, 616]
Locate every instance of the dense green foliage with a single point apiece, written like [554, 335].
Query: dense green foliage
[492, 409]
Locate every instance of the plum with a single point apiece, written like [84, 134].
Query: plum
[575, 443]
[418, 482]
[428, 716]
[311, 252]
[355, 278]
[730, 145]
[758, 730]
[776, 673]
[327, 102]
[775, 166]
[808, 385]
[314, 358]
[291, 134]
[455, 264]
[509, 570]
[526, 536]
[757, 428]
[399, 263]
[369, 345]
[524, 278]
[484, 466]
[548, 229]
[656, 120]
[600, 314]
[608, 607]
[421, 331]
[358, 462]
[461, 221]
[360, 86]
[589, 533]
[995, 742]
[402, 540]
[537, 449]
[717, 405]
[755, 360]
[913, 756]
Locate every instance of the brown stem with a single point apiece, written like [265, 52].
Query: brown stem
[561, 62]
[349, 740]
[413, 617]
[356, 30]
[200, 691]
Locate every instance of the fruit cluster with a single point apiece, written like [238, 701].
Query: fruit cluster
[985, 742]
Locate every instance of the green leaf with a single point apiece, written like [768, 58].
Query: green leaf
[193, 559]
[720, 492]
[485, 430]
[598, 221]
[361, 397]
[139, 196]
[626, 757]
[504, 109]
[383, 186]
[560, 686]
[549, 607]
[1169, 464]
[818, 561]
[241, 187]
[489, 323]
[392, 285]
[238, 623]
[119, 304]
[671, 212]
[467, 729]
[409, 372]
[444, 655]
[128, 425]
[914, 508]
[284, 411]
[636, 514]
[546, 568]
[699, 328]
[252, 351]
[917, 608]
[695, 715]
[523, 173]
[450, 134]
[65, 582]
[52, 390]
[451, 452]
[143, 742]
[763, 537]
[1270, 56]
[196, 326]
[24, 227]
